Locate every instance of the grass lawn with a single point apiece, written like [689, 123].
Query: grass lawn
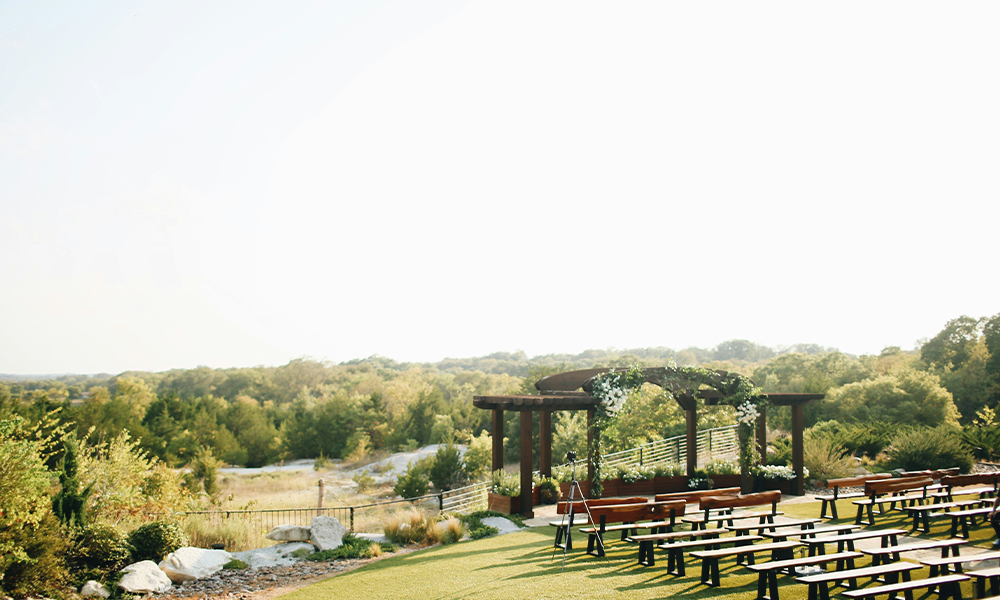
[523, 565]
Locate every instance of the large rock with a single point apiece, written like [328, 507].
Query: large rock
[289, 533]
[144, 578]
[278, 555]
[94, 588]
[185, 564]
[327, 533]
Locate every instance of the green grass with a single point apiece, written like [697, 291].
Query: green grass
[523, 565]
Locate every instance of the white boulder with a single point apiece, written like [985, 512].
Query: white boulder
[185, 564]
[94, 588]
[144, 578]
[278, 555]
[327, 533]
[289, 533]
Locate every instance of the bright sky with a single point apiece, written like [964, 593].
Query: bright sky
[237, 183]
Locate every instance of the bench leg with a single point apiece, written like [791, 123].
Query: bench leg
[646, 549]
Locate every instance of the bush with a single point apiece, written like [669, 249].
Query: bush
[448, 531]
[448, 472]
[506, 485]
[669, 470]
[782, 454]
[825, 459]
[406, 527]
[39, 567]
[413, 482]
[352, 547]
[155, 540]
[983, 441]
[869, 438]
[722, 467]
[363, 480]
[98, 550]
[479, 456]
[548, 491]
[938, 448]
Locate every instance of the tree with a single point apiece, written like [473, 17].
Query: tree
[413, 482]
[70, 504]
[24, 481]
[907, 397]
[448, 472]
[954, 344]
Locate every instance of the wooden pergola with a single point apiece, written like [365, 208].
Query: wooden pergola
[561, 392]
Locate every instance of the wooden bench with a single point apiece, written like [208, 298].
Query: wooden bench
[949, 586]
[629, 515]
[953, 564]
[891, 553]
[897, 489]
[981, 575]
[710, 558]
[817, 545]
[564, 527]
[744, 529]
[648, 542]
[830, 501]
[819, 588]
[811, 532]
[710, 503]
[987, 484]
[922, 513]
[695, 496]
[961, 519]
[767, 572]
[675, 551]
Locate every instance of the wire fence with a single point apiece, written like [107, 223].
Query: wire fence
[713, 444]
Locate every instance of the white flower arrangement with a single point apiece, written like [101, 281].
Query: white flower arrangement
[777, 472]
[747, 413]
[696, 482]
[612, 394]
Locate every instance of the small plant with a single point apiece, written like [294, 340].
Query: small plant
[777, 472]
[363, 480]
[506, 484]
[352, 547]
[636, 473]
[478, 529]
[448, 531]
[413, 482]
[322, 462]
[548, 491]
[236, 565]
[722, 467]
[825, 459]
[406, 527]
[155, 540]
[669, 470]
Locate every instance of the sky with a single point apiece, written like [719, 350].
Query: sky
[239, 183]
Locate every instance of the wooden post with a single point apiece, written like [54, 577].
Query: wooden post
[526, 482]
[321, 493]
[545, 442]
[591, 460]
[762, 434]
[798, 459]
[691, 416]
[497, 439]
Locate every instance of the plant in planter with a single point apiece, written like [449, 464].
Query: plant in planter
[775, 477]
[668, 478]
[505, 493]
[637, 479]
[725, 473]
[701, 481]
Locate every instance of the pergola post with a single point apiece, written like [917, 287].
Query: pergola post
[545, 442]
[691, 419]
[762, 434]
[526, 482]
[798, 459]
[497, 439]
[591, 460]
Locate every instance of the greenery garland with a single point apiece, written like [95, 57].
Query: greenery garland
[615, 387]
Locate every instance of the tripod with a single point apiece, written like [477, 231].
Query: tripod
[567, 528]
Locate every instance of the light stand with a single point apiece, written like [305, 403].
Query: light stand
[568, 527]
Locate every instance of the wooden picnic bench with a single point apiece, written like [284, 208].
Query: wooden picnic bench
[709, 503]
[897, 489]
[746, 528]
[830, 501]
[710, 558]
[949, 586]
[675, 551]
[695, 496]
[578, 515]
[812, 532]
[981, 575]
[962, 519]
[819, 588]
[922, 513]
[627, 517]
[767, 572]
[891, 553]
[958, 484]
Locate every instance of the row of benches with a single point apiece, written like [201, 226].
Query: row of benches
[665, 511]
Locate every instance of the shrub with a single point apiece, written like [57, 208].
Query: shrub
[413, 482]
[825, 459]
[869, 438]
[363, 480]
[352, 547]
[983, 441]
[448, 472]
[235, 565]
[447, 531]
[406, 527]
[479, 456]
[782, 454]
[237, 534]
[98, 550]
[669, 470]
[548, 491]
[722, 467]
[39, 567]
[478, 529]
[155, 540]
[938, 448]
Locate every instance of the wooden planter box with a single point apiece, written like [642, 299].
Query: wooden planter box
[638, 488]
[724, 481]
[564, 490]
[536, 496]
[611, 488]
[669, 485]
[510, 505]
[762, 484]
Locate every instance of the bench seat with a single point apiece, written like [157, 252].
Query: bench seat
[648, 542]
[819, 588]
[949, 586]
[743, 529]
[953, 564]
[811, 532]
[923, 513]
[767, 572]
[710, 558]
[845, 541]
[675, 551]
[891, 553]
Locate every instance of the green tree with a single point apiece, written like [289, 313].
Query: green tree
[907, 397]
[70, 504]
[448, 471]
[954, 344]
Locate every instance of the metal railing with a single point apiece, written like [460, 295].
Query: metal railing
[720, 442]
[717, 443]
